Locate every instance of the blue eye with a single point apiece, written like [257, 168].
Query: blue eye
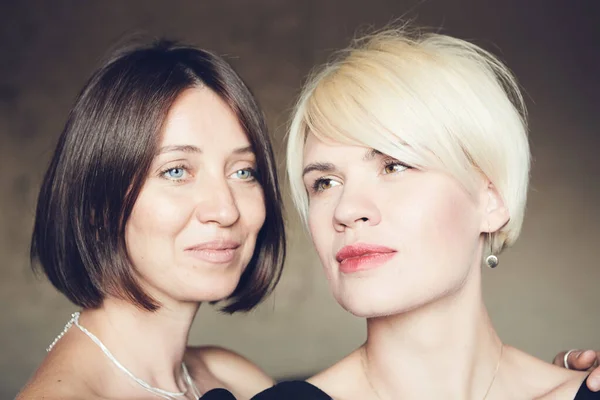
[244, 174]
[174, 173]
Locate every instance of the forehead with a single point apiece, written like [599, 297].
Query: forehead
[316, 149]
[199, 115]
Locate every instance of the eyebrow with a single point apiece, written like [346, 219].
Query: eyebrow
[183, 148]
[321, 167]
[244, 150]
[194, 149]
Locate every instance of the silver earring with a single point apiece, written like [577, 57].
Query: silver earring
[491, 260]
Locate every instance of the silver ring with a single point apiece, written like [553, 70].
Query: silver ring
[566, 358]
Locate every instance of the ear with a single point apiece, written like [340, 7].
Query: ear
[495, 213]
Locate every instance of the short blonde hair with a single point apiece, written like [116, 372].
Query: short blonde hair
[430, 100]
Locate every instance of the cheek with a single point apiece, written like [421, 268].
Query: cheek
[320, 225]
[454, 217]
[252, 209]
[443, 222]
[156, 217]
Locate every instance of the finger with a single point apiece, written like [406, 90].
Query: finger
[558, 359]
[582, 360]
[593, 381]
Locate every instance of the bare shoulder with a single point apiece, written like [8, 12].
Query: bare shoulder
[224, 363]
[537, 379]
[228, 369]
[57, 378]
[33, 393]
[567, 388]
[343, 380]
[53, 387]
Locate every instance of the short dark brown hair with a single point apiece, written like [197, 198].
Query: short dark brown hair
[101, 162]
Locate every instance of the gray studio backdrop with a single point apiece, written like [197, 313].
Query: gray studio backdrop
[543, 297]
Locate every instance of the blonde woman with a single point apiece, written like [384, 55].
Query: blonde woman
[409, 161]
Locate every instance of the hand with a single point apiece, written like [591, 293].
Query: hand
[583, 360]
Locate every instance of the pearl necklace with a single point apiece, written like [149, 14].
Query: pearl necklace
[165, 394]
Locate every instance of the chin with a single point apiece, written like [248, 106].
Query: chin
[379, 303]
[369, 310]
[218, 292]
[208, 290]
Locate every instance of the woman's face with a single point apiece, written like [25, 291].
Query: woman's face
[194, 226]
[391, 238]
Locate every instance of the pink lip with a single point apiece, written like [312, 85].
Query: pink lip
[215, 252]
[363, 256]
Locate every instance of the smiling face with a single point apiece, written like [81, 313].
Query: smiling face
[194, 225]
[391, 238]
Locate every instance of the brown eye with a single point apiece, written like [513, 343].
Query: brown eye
[394, 167]
[324, 184]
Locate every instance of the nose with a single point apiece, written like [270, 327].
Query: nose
[217, 204]
[355, 208]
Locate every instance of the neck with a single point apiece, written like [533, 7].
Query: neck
[151, 345]
[446, 349]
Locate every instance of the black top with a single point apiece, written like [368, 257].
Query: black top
[218, 394]
[586, 394]
[292, 390]
[301, 390]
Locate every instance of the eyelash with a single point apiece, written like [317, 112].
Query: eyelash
[253, 173]
[163, 173]
[392, 161]
[315, 186]
[385, 163]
